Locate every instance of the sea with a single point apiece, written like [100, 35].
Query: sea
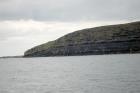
[71, 74]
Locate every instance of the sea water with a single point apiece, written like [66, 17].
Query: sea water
[71, 74]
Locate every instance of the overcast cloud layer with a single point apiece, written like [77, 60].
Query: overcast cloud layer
[70, 10]
[27, 23]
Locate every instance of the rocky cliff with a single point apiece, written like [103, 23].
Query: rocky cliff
[112, 39]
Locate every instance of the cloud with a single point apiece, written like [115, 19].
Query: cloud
[70, 10]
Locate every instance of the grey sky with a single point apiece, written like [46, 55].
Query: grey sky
[27, 23]
[70, 10]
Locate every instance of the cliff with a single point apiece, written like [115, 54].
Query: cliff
[112, 39]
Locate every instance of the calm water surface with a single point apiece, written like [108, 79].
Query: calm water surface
[75, 74]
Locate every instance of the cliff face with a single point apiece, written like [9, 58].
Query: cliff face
[122, 38]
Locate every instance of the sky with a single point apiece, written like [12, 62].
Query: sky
[28, 23]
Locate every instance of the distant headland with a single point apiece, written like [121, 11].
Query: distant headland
[112, 39]
[11, 57]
